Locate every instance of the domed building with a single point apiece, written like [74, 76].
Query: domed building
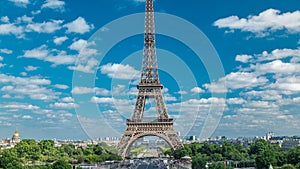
[16, 137]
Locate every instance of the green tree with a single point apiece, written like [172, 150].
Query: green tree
[288, 166]
[297, 166]
[216, 157]
[68, 148]
[61, 164]
[180, 153]
[218, 165]
[92, 158]
[264, 154]
[28, 150]
[47, 147]
[293, 156]
[199, 161]
[9, 160]
[168, 152]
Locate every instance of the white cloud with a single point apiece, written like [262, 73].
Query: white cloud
[1, 64]
[237, 80]
[289, 83]
[88, 67]
[119, 71]
[23, 106]
[6, 51]
[216, 87]
[26, 117]
[78, 26]
[182, 92]
[61, 105]
[36, 12]
[243, 58]
[60, 40]
[31, 68]
[67, 99]
[54, 4]
[61, 86]
[78, 45]
[23, 73]
[45, 27]
[235, 101]
[197, 90]
[278, 54]
[266, 94]
[54, 56]
[85, 90]
[6, 29]
[102, 100]
[82, 90]
[33, 87]
[277, 66]
[5, 19]
[262, 24]
[37, 53]
[23, 81]
[21, 3]
[24, 19]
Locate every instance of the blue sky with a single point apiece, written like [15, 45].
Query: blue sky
[68, 69]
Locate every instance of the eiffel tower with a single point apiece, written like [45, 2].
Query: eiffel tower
[149, 87]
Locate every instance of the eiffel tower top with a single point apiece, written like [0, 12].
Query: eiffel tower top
[149, 76]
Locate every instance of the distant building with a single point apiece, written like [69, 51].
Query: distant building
[290, 143]
[269, 135]
[16, 138]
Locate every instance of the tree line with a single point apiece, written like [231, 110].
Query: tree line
[45, 155]
[260, 154]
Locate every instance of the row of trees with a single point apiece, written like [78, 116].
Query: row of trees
[261, 154]
[44, 154]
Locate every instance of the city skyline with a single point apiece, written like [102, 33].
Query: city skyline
[51, 75]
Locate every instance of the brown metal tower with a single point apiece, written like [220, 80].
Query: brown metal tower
[149, 87]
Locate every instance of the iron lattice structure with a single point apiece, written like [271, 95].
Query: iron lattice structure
[149, 87]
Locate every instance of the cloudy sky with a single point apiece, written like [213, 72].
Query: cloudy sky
[68, 68]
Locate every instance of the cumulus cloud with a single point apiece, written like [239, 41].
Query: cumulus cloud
[102, 100]
[61, 86]
[44, 27]
[22, 106]
[60, 40]
[88, 66]
[197, 90]
[5, 19]
[63, 105]
[243, 58]
[26, 117]
[6, 51]
[119, 71]
[277, 66]
[54, 56]
[77, 90]
[33, 87]
[9, 28]
[235, 101]
[54, 4]
[67, 99]
[1, 64]
[78, 45]
[20, 3]
[291, 84]
[79, 25]
[31, 68]
[270, 20]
